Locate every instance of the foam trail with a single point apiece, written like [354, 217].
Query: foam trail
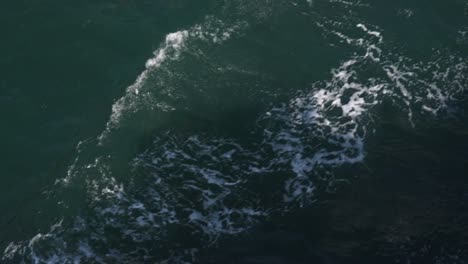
[213, 32]
[170, 50]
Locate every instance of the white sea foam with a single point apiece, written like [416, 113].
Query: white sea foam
[174, 42]
[327, 127]
[170, 50]
[138, 95]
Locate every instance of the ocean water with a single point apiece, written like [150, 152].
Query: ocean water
[234, 131]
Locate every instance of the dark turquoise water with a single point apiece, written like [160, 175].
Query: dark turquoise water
[234, 131]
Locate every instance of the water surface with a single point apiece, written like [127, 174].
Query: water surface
[234, 131]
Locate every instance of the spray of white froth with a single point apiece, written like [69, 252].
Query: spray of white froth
[170, 50]
[174, 43]
[139, 95]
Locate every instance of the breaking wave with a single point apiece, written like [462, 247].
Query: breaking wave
[188, 189]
